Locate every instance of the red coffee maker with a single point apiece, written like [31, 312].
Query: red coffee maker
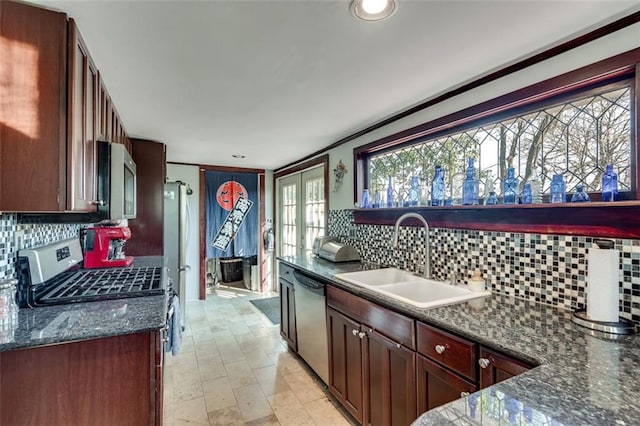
[103, 247]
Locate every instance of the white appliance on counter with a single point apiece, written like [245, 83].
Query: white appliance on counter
[175, 239]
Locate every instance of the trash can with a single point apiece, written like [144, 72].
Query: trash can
[231, 269]
[247, 264]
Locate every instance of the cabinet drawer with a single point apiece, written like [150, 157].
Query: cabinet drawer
[391, 324]
[286, 272]
[453, 352]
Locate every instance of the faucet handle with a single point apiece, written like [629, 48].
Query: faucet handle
[454, 278]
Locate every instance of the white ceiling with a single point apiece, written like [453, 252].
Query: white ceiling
[278, 80]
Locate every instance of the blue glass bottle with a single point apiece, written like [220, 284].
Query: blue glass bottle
[558, 190]
[414, 191]
[437, 188]
[376, 200]
[527, 197]
[470, 186]
[390, 194]
[365, 199]
[580, 196]
[609, 184]
[491, 200]
[510, 187]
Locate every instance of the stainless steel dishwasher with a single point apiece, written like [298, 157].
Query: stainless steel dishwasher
[311, 323]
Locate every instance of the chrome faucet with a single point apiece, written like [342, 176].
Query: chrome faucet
[427, 262]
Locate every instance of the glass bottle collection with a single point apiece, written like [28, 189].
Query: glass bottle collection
[531, 190]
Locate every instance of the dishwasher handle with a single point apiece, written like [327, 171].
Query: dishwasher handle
[309, 282]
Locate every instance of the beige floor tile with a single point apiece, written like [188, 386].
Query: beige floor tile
[193, 411]
[240, 374]
[286, 363]
[252, 402]
[211, 370]
[218, 394]
[258, 359]
[187, 388]
[323, 412]
[271, 382]
[305, 388]
[271, 420]
[229, 416]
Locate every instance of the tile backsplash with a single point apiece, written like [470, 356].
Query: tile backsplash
[15, 236]
[550, 269]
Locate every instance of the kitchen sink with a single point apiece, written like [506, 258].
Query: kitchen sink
[376, 277]
[409, 288]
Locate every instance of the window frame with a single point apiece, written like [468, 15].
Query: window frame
[544, 218]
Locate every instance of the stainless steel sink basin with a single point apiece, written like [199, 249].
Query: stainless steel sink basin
[409, 288]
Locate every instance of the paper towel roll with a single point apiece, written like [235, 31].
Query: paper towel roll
[603, 285]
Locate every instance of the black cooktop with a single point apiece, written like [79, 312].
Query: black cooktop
[84, 285]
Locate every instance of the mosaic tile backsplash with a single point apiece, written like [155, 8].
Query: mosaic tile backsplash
[549, 269]
[15, 236]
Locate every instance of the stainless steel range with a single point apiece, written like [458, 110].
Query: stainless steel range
[51, 275]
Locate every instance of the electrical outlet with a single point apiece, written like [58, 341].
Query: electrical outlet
[19, 240]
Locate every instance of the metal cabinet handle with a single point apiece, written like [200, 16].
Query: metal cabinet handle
[440, 349]
[464, 394]
[354, 332]
[484, 362]
[362, 334]
[98, 202]
[398, 345]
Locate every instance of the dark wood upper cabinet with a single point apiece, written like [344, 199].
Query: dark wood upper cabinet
[54, 108]
[33, 51]
[82, 124]
[147, 228]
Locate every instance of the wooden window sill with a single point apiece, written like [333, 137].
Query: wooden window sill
[612, 220]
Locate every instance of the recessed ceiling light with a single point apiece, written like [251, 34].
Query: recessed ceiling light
[238, 156]
[373, 10]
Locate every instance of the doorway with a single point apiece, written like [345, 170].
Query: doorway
[232, 210]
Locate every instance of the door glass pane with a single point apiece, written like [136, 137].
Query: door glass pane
[288, 246]
[314, 210]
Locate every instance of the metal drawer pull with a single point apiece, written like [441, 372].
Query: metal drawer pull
[354, 332]
[440, 349]
[464, 394]
[362, 334]
[483, 362]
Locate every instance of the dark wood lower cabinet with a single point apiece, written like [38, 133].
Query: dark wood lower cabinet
[496, 367]
[390, 382]
[345, 362]
[109, 381]
[288, 314]
[438, 386]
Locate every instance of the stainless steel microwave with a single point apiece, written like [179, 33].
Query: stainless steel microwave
[116, 182]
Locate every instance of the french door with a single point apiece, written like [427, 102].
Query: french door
[301, 211]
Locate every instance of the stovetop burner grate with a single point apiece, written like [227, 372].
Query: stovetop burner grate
[98, 284]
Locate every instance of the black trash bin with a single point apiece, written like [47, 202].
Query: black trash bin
[247, 263]
[231, 269]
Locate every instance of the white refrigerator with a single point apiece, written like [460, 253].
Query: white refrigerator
[175, 239]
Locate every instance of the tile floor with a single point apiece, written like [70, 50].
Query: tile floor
[235, 369]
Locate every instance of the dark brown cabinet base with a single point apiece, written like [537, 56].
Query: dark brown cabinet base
[109, 381]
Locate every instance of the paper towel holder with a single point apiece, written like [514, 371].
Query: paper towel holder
[623, 326]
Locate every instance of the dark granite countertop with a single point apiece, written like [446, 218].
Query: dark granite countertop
[581, 379]
[91, 320]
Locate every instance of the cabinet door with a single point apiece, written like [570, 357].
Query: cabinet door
[346, 362]
[288, 314]
[33, 99]
[438, 386]
[390, 381]
[496, 367]
[83, 89]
